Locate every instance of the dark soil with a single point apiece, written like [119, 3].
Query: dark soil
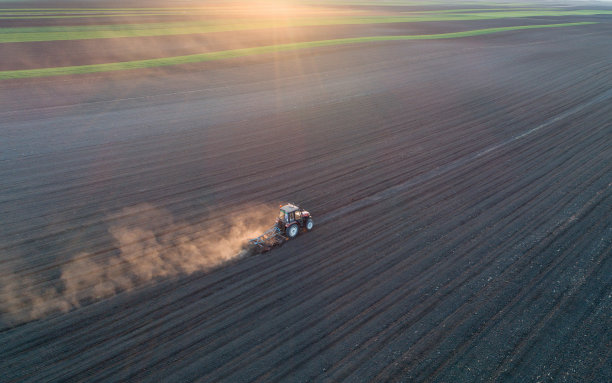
[461, 191]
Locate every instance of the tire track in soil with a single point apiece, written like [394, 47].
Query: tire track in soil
[370, 200]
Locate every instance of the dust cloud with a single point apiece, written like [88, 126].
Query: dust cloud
[150, 245]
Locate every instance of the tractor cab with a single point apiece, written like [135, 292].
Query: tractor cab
[291, 218]
[289, 213]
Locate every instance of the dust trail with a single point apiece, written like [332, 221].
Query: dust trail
[150, 245]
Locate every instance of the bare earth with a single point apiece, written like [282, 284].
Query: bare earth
[461, 191]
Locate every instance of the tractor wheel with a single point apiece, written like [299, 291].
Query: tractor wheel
[309, 224]
[292, 231]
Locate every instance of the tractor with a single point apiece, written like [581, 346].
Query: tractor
[291, 218]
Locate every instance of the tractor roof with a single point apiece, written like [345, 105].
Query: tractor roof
[288, 208]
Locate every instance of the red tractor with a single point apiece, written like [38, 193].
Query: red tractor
[292, 218]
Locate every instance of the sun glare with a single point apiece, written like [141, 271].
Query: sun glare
[273, 10]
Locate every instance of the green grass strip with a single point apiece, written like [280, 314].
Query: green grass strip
[55, 11]
[63, 33]
[410, 16]
[220, 55]
[85, 9]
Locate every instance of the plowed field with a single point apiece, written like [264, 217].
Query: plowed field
[461, 190]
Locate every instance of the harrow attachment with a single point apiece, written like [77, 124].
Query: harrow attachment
[265, 242]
